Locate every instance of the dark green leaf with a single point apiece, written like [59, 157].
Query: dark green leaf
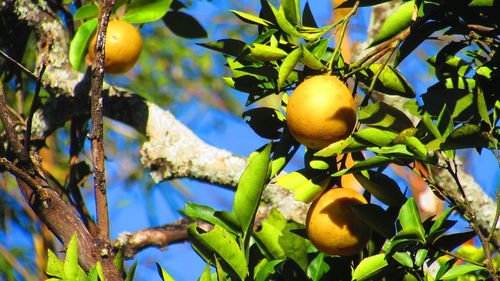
[247, 196]
[466, 136]
[376, 218]
[369, 267]
[381, 186]
[287, 66]
[451, 241]
[416, 147]
[445, 267]
[396, 22]
[264, 121]
[307, 16]
[438, 224]
[416, 37]
[231, 47]
[482, 107]
[79, 44]
[86, 11]
[184, 25]
[363, 3]
[382, 115]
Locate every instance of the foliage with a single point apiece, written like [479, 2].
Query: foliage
[461, 110]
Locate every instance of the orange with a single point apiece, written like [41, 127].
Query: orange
[321, 111]
[348, 180]
[333, 227]
[123, 47]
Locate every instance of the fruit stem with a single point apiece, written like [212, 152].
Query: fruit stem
[345, 22]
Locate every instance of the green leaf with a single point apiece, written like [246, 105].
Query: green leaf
[184, 25]
[295, 246]
[307, 16]
[80, 42]
[417, 36]
[207, 214]
[86, 11]
[206, 275]
[142, 11]
[294, 179]
[420, 256]
[268, 235]
[416, 147]
[310, 190]
[248, 18]
[466, 136]
[163, 273]
[369, 267]
[376, 218]
[284, 24]
[398, 150]
[395, 23]
[287, 66]
[221, 274]
[72, 269]
[319, 164]
[383, 115]
[230, 47]
[247, 196]
[220, 242]
[389, 82]
[372, 162]
[451, 241]
[410, 218]
[118, 261]
[131, 272]
[291, 10]
[265, 121]
[481, 3]
[403, 258]
[437, 226]
[374, 137]
[267, 270]
[266, 53]
[55, 267]
[482, 107]
[460, 270]
[311, 61]
[381, 186]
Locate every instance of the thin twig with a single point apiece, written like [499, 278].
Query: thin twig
[97, 135]
[345, 22]
[20, 66]
[34, 106]
[11, 168]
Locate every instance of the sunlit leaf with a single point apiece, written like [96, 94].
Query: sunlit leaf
[382, 115]
[142, 11]
[86, 11]
[395, 23]
[390, 81]
[409, 217]
[460, 270]
[287, 66]
[266, 52]
[80, 42]
[369, 267]
[248, 18]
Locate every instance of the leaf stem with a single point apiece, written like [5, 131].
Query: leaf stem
[345, 22]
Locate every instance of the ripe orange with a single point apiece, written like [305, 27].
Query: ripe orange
[332, 226]
[123, 47]
[321, 111]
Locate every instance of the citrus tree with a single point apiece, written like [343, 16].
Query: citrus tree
[354, 116]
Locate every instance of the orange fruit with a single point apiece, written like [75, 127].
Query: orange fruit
[321, 111]
[123, 47]
[348, 180]
[333, 227]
